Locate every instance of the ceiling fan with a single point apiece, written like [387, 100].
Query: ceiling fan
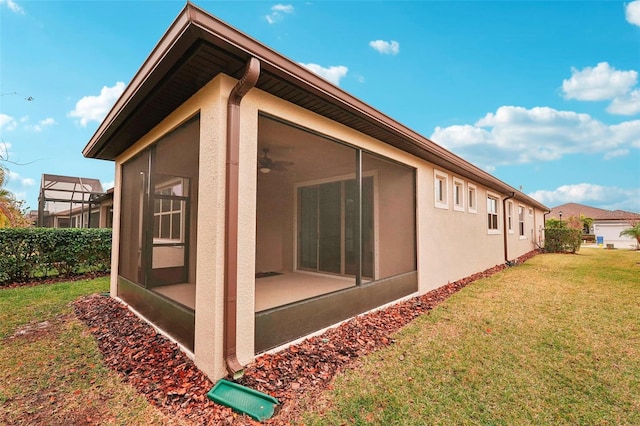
[266, 164]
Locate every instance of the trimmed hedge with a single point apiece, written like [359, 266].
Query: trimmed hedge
[27, 253]
[562, 240]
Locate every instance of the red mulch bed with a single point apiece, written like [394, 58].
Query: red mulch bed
[169, 379]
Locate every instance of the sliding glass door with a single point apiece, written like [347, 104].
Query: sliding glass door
[327, 227]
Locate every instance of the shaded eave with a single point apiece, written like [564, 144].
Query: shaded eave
[197, 47]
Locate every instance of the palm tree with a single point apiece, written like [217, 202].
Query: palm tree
[5, 201]
[10, 211]
[633, 232]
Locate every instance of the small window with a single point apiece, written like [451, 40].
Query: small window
[472, 199]
[168, 210]
[530, 212]
[510, 217]
[441, 182]
[458, 195]
[521, 221]
[492, 214]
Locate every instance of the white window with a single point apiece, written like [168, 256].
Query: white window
[458, 195]
[492, 214]
[472, 199]
[521, 221]
[441, 182]
[510, 217]
[168, 211]
[530, 212]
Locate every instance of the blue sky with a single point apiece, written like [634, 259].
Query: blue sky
[543, 95]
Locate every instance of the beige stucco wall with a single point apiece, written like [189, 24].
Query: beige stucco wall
[450, 244]
[517, 245]
[454, 244]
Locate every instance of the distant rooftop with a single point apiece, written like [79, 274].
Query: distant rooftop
[575, 209]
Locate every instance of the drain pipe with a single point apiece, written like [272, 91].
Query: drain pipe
[505, 231]
[544, 226]
[246, 83]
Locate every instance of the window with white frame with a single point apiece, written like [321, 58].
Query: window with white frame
[458, 195]
[168, 211]
[510, 217]
[521, 221]
[492, 214]
[530, 212]
[472, 199]
[441, 182]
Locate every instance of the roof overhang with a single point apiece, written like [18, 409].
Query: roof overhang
[197, 47]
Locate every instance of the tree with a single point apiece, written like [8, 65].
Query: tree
[555, 223]
[11, 214]
[633, 232]
[587, 223]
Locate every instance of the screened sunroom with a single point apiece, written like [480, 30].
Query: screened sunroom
[335, 231]
[335, 225]
[158, 231]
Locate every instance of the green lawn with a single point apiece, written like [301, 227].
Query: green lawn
[50, 367]
[553, 341]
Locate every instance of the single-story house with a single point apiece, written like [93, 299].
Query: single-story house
[73, 202]
[607, 224]
[256, 203]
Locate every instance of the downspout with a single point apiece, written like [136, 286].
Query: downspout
[505, 230]
[544, 226]
[246, 83]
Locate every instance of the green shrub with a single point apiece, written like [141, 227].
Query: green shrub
[26, 253]
[562, 240]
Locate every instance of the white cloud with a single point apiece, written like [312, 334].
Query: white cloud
[516, 135]
[332, 73]
[626, 105]
[16, 180]
[13, 6]
[19, 195]
[41, 124]
[95, 108]
[277, 12]
[12, 175]
[615, 153]
[606, 197]
[7, 122]
[632, 12]
[386, 47]
[599, 83]
[108, 185]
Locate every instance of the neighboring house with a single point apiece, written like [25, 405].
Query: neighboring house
[256, 203]
[73, 202]
[32, 217]
[607, 224]
[105, 206]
